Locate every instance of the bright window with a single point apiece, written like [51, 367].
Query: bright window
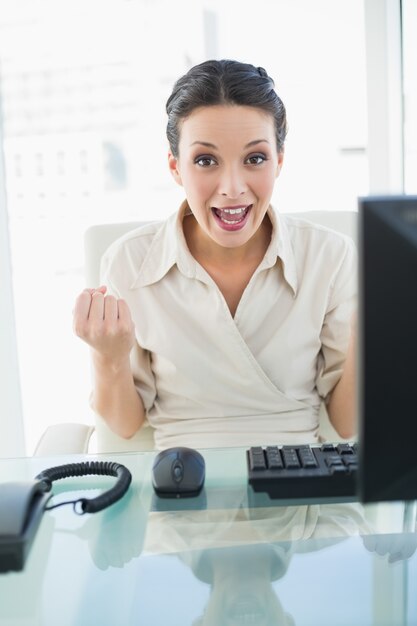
[83, 87]
[409, 8]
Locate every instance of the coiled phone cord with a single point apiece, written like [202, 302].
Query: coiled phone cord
[103, 468]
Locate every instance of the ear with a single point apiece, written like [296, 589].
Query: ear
[173, 168]
[280, 162]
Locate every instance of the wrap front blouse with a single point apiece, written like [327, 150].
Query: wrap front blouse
[208, 379]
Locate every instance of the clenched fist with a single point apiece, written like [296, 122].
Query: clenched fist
[105, 323]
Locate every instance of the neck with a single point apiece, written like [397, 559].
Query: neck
[205, 250]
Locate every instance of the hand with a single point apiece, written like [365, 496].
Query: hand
[398, 547]
[105, 323]
[117, 535]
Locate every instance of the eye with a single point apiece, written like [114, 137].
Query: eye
[256, 159]
[205, 160]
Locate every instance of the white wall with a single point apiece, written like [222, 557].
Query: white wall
[385, 96]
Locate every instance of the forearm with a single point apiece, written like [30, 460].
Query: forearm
[341, 407]
[115, 397]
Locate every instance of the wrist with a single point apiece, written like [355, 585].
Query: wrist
[109, 364]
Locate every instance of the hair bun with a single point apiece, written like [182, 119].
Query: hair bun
[264, 74]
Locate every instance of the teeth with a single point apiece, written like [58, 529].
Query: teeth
[236, 214]
[234, 211]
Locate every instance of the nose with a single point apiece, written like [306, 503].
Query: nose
[232, 182]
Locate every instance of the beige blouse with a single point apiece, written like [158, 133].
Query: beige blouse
[210, 380]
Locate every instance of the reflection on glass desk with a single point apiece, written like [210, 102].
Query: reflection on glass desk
[222, 559]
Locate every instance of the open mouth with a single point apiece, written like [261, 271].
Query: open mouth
[231, 218]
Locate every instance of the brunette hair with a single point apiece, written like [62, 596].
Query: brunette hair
[224, 82]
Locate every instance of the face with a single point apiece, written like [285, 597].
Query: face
[227, 163]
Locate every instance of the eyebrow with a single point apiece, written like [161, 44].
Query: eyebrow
[207, 144]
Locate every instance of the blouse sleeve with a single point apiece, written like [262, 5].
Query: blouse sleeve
[336, 327]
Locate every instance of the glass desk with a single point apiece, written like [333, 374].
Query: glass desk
[222, 559]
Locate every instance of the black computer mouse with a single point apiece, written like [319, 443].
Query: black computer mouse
[178, 473]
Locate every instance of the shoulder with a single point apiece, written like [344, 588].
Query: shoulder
[320, 238]
[132, 246]
[122, 261]
[323, 256]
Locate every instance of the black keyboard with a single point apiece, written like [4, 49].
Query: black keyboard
[305, 471]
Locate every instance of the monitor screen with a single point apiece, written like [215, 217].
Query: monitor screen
[387, 355]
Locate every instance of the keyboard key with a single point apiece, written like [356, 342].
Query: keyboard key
[345, 448]
[352, 467]
[273, 457]
[333, 460]
[350, 459]
[338, 469]
[290, 458]
[257, 458]
[308, 459]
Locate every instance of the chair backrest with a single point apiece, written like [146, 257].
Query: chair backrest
[98, 238]
[345, 222]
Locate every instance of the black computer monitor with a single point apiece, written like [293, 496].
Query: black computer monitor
[387, 355]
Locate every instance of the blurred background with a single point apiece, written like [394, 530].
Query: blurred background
[83, 86]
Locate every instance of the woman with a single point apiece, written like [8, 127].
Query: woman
[226, 324]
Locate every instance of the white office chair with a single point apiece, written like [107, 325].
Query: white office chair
[76, 438]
